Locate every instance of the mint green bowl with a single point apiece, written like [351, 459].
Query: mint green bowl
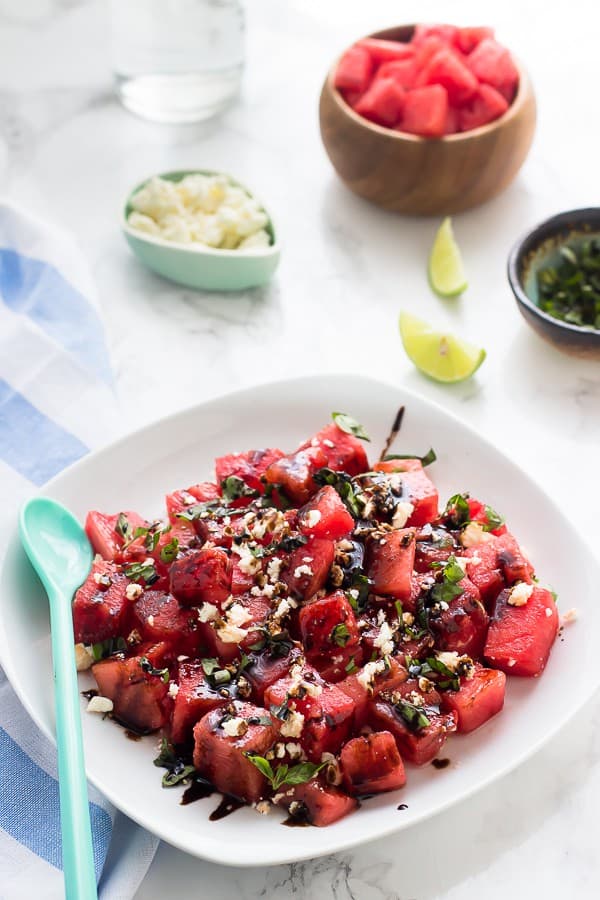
[199, 267]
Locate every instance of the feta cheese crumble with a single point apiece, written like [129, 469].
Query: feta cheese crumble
[207, 612]
[134, 591]
[292, 725]
[313, 517]
[474, 534]
[520, 594]
[235, 727]
[299, 571]
[370, 672]
[209, 210]
[385, 640]
[83, 658]
[402, 514]
[99, 705]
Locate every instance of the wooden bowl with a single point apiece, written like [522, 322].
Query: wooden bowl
[537, 249]
[425, 176]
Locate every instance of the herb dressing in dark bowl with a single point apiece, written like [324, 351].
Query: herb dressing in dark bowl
[538, 276]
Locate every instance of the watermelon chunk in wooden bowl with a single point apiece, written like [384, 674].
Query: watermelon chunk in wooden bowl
[437, 141]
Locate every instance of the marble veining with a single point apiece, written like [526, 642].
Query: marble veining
[70, 153]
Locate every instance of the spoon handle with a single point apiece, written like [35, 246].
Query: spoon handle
[77, 852]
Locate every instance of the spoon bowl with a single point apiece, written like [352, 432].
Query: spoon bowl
[59, 551]
[56, 544]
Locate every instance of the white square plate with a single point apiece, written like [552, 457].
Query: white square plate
[137, 471]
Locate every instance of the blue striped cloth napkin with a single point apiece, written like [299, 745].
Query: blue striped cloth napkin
[56, 402]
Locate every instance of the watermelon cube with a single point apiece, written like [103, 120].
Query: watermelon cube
[485, 106]
[382, 103]
[354, 70]
[447, 69]
[520, 637]
[478, 698]
[372, 764]
[325, 516]
[382, 51]
[492, 63]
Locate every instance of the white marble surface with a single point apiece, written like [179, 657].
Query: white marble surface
[70, 153]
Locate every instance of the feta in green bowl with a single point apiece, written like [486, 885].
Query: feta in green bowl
[202, 229]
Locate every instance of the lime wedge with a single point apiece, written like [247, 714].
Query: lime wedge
[439, 355]
[446, 271]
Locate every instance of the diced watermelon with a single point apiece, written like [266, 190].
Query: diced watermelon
[520, 637]
[265, 668]
[447, 69]
[362, 687]
[427, 48]
[371, 764]
[325, 516]
[201, 576]
[138, 695]
[382, 103]
[463, 626]
[478, 512]
[446, 33]
[452, 121]
[418, 745]
[178, 501]
[513, 562]
[328, 626]
[316, 803]
[478, 698]
[382, 51]
[195, 697]
[483, 569]
[425, 111]
[327, 715]
[434, 545]
[403, 71]
[485, 106]
[221, 758]
[343, 452]
[354, 70]
[492, 63]
[417, 488]
[333, 668]
[294, 473]
[249, 467]
[466, 39]
[100, 606]
[159, 617]
[105, 540]
[390, 561]
[307, 567]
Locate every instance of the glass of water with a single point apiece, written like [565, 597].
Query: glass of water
[177, 60]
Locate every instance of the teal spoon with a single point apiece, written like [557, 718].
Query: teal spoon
[60, 552]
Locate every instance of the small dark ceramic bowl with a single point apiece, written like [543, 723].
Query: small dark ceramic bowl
[538, 249]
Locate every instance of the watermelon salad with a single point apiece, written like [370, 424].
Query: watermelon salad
[444, 80]
[303, 627]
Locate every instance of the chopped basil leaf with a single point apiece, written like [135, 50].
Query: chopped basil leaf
[283, 774]
[457, 510]
[292, 542]
[233, 488]
[351, 666]
[349, 425]
[430, 457]
[263, 765]
[108, 647]
[342, 483]
[415, 719]
[123, 528]
[147, 667]
[399, 610]
[340, 635]
[170, 779]
[142, 571]
[209, 665]
[452, 571]
[169, 551]
[494, 519]
[280, 711]
[166, 757]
